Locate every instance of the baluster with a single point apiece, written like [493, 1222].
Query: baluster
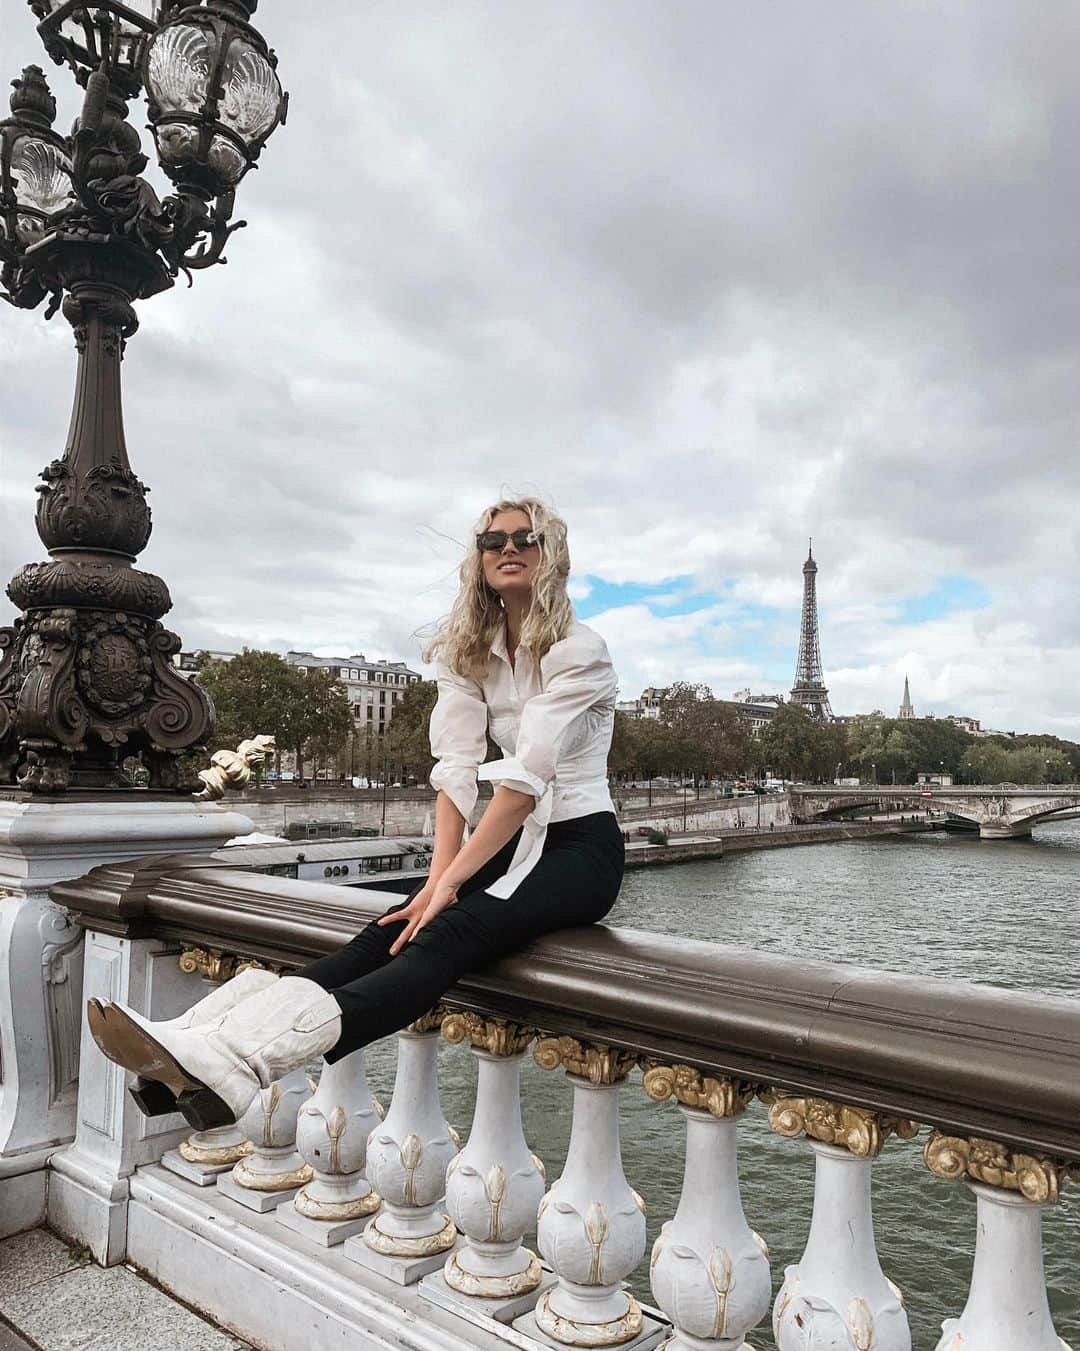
[493, 1188]
[273, 1170]
[1007, 1308]
[205, 1155]
[407, 1159]
[709, 1269]
[591, 1224]
[331, 1136]
[837, 1289]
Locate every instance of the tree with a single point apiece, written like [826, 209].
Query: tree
[325, 720]
[793, 742]
[708, 737]
[259, 693]
[998, 761]
[902, 747]
[650, 747]
[986, 762]
[801, 746]
[406, 741]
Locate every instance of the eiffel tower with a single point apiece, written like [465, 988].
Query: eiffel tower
[809, 688]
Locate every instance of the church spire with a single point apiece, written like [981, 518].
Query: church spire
[906, 710]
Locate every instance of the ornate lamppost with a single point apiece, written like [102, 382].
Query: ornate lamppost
[85, 674]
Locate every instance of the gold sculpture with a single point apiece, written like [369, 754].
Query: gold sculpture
[214, 964]
[722, 1097]
[600, 1064]
[859, 1130]
[428, 1022]
[1037, 1177]
[232, 769]
[496, 1036]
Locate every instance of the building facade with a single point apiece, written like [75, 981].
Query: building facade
[647, 706]
[757, 709]
[374, 690]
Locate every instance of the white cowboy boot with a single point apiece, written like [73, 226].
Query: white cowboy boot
[153, 1097]
[214, 1069]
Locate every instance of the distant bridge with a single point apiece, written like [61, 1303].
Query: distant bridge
[1001, 811]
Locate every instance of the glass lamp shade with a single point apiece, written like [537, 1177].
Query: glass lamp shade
[35, 170]
[178, 67]
[214, 98]
[39, 175]
[252, 94]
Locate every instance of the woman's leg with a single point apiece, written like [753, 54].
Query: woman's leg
[575, 882]
[370, 948]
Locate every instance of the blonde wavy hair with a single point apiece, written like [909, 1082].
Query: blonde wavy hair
[464, 638]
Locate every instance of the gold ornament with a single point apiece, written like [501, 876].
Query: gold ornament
[859, 1130]
[1037, 1177]
[232, 769]
[428, 1022]
[216, 965]
[598, 1063]
[496, 1036]
[721, 1097]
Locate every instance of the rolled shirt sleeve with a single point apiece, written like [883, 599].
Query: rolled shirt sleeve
[575, 674]
[458, 732]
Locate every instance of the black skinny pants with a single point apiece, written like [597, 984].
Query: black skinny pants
[575, 881]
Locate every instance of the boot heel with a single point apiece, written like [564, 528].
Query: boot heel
[154, 1098]
[203, 1109]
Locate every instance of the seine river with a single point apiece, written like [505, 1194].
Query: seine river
[944, 905]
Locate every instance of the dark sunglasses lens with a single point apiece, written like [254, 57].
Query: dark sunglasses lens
[495, 540]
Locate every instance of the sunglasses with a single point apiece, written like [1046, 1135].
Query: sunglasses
[494, 541]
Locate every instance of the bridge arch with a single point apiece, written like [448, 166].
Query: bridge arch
[998, 811]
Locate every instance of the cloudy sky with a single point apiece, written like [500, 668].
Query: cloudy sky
[713, 277]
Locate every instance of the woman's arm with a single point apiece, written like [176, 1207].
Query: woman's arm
[449, 828]
[452, 864]
[458, 733]
[502, 819]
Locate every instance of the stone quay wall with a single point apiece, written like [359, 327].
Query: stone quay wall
[408, 809]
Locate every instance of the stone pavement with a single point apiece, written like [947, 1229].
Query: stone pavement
[54, 1298]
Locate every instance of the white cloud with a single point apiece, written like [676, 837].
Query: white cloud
[712, 291]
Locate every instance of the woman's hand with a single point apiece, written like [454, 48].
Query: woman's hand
[428, 902]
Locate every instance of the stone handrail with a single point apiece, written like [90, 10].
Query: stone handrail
[842, 1056]
[970, 1060]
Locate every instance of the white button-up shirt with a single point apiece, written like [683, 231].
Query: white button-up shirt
[553, 721]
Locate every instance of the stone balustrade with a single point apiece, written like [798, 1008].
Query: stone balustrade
[841, 1062]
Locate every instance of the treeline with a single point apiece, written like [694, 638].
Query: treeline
[890, 750]
[695, 736]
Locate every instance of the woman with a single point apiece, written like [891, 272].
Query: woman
[547, 852]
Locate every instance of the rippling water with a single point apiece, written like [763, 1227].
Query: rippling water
[944, 905]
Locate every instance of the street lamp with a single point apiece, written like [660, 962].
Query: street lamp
[85, 674]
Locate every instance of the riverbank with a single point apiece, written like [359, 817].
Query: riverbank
[716, 844]
[335, 813]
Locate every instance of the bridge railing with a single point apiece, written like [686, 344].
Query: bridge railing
[986, 1082]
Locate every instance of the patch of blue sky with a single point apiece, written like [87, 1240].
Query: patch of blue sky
[952, 593]
[752, 632]
[671, 596]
